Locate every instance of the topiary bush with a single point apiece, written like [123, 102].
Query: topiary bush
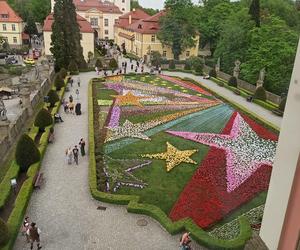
[26, 153]
[197, 64]
[282, 104]
[99, 64]
[232, 81]
[187, 65]
[58, 82]
[53, 98]
[213, 73]
[172, 64]
[73, 68]
[63, 73]
[260, 94]
[43, 119]
[113, 63]
[4, 233]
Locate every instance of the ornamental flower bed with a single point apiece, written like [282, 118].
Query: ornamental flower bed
[179, 148]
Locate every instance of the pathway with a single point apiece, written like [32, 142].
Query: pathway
[254, 108]
[67, 214]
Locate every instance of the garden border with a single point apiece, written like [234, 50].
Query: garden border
[134, 206]
[16, 217]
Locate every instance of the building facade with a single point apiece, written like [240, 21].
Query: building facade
[11, 25]
[137, 32]
[102, 15]
[86, 31]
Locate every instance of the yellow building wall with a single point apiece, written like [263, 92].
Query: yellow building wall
[10, 34]
[87, 43]
[144, 44]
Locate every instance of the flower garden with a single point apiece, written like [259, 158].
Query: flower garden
[177, 147]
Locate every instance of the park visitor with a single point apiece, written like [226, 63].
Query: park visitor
[82, 147]
[34, 235]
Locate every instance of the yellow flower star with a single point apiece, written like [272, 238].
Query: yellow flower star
[173, 156]
[129, 99]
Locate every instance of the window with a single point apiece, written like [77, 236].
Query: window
[15, 40]
[94, 21]
[123, 9]
[116, 21]
[4, 15]
[164, 53]
[106, 38]
[4, 26]
[106, 32]
[187, 54]
[153, 38]
[13, 27]
[105, 22]
[123, 1]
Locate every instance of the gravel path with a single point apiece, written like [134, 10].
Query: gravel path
[65, 211]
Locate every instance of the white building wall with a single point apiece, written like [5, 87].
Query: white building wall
[110, 28]
[284, 165]
[124, 5]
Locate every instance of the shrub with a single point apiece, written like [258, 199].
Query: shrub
[43, 119]
[58, 82]
[99, 64]
[232, 81]
[63, 73]
[113, 63]
[26, 153]
[187, 65]
[282, 104]
[124, 52]
[213, 73]
[83, 64]
[156, 58]
[197, 64]
[53, 97]
[172, 64]
[73, 68]
[3, 232]
[260, 94]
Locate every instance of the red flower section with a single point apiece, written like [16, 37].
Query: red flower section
[186, 84]
[205, 198]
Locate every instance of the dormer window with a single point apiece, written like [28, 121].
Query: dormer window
[140, 26]
[4, 15]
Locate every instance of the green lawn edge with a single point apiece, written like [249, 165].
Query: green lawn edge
[133, 205]
[16, 217]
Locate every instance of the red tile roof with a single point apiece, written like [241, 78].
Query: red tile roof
[5, 9]
[136, 15]
[106, 7]
[149, 25]
[84, 25]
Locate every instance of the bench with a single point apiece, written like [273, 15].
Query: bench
[37, 180]
[237, 92]
[277, 112]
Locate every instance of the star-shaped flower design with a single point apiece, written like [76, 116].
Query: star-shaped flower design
[173, 156]
[129, 99]
[245, 150]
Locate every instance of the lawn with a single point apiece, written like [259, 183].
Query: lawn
[179, 148]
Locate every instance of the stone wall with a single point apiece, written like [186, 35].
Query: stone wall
[245, 85]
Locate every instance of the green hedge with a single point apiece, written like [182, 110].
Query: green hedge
[133, 206]
[16, 217]
[184, 71]
[132, 56]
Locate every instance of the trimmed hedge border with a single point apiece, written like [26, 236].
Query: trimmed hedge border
[16, 217]
[134, 206]
[184, 71]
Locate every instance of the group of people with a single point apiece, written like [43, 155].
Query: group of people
[31, 232]
[71, 107]
[73, 154]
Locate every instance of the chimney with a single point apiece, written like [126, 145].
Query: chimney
[130, 19]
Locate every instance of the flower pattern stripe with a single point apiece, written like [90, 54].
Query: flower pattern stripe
[205, 199]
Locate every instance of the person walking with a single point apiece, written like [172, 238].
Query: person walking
[71, 82]
[71, 107]
[77, 94]
[82, 147]
[70, 98]
[69, 155]
[25, 227]
[75, 154]
[185, 241]
[159, 70]
[142, 68]
[78, 82]
[34, 235]
[131, 67]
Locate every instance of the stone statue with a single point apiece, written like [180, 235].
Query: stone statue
[3, 111]
[261, 78]
[218, 65]
[236, 70]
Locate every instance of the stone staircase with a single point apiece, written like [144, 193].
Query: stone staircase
[256, 243]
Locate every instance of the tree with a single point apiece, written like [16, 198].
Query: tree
[232, 81]
[197, 64]
[26, 153]
[30, 27]
[177, 27]
[113, 64]
[40, 9]
[58, 81]
[254, 11]
[213, 73]
[156, 58]
[73, 68]
[53, 98]
[43, 119]
[260, 94]
[99, 64]
[135, 5]
[90, 56]
[66, 36]
[172, 64]
[273, 46]
[63, 73]
[4, 233]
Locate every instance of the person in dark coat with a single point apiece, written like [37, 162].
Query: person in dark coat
[78, 109]
[82, 147]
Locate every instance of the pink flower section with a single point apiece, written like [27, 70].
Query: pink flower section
[115, 117]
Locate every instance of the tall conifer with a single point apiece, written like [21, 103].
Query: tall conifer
[254, 11]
